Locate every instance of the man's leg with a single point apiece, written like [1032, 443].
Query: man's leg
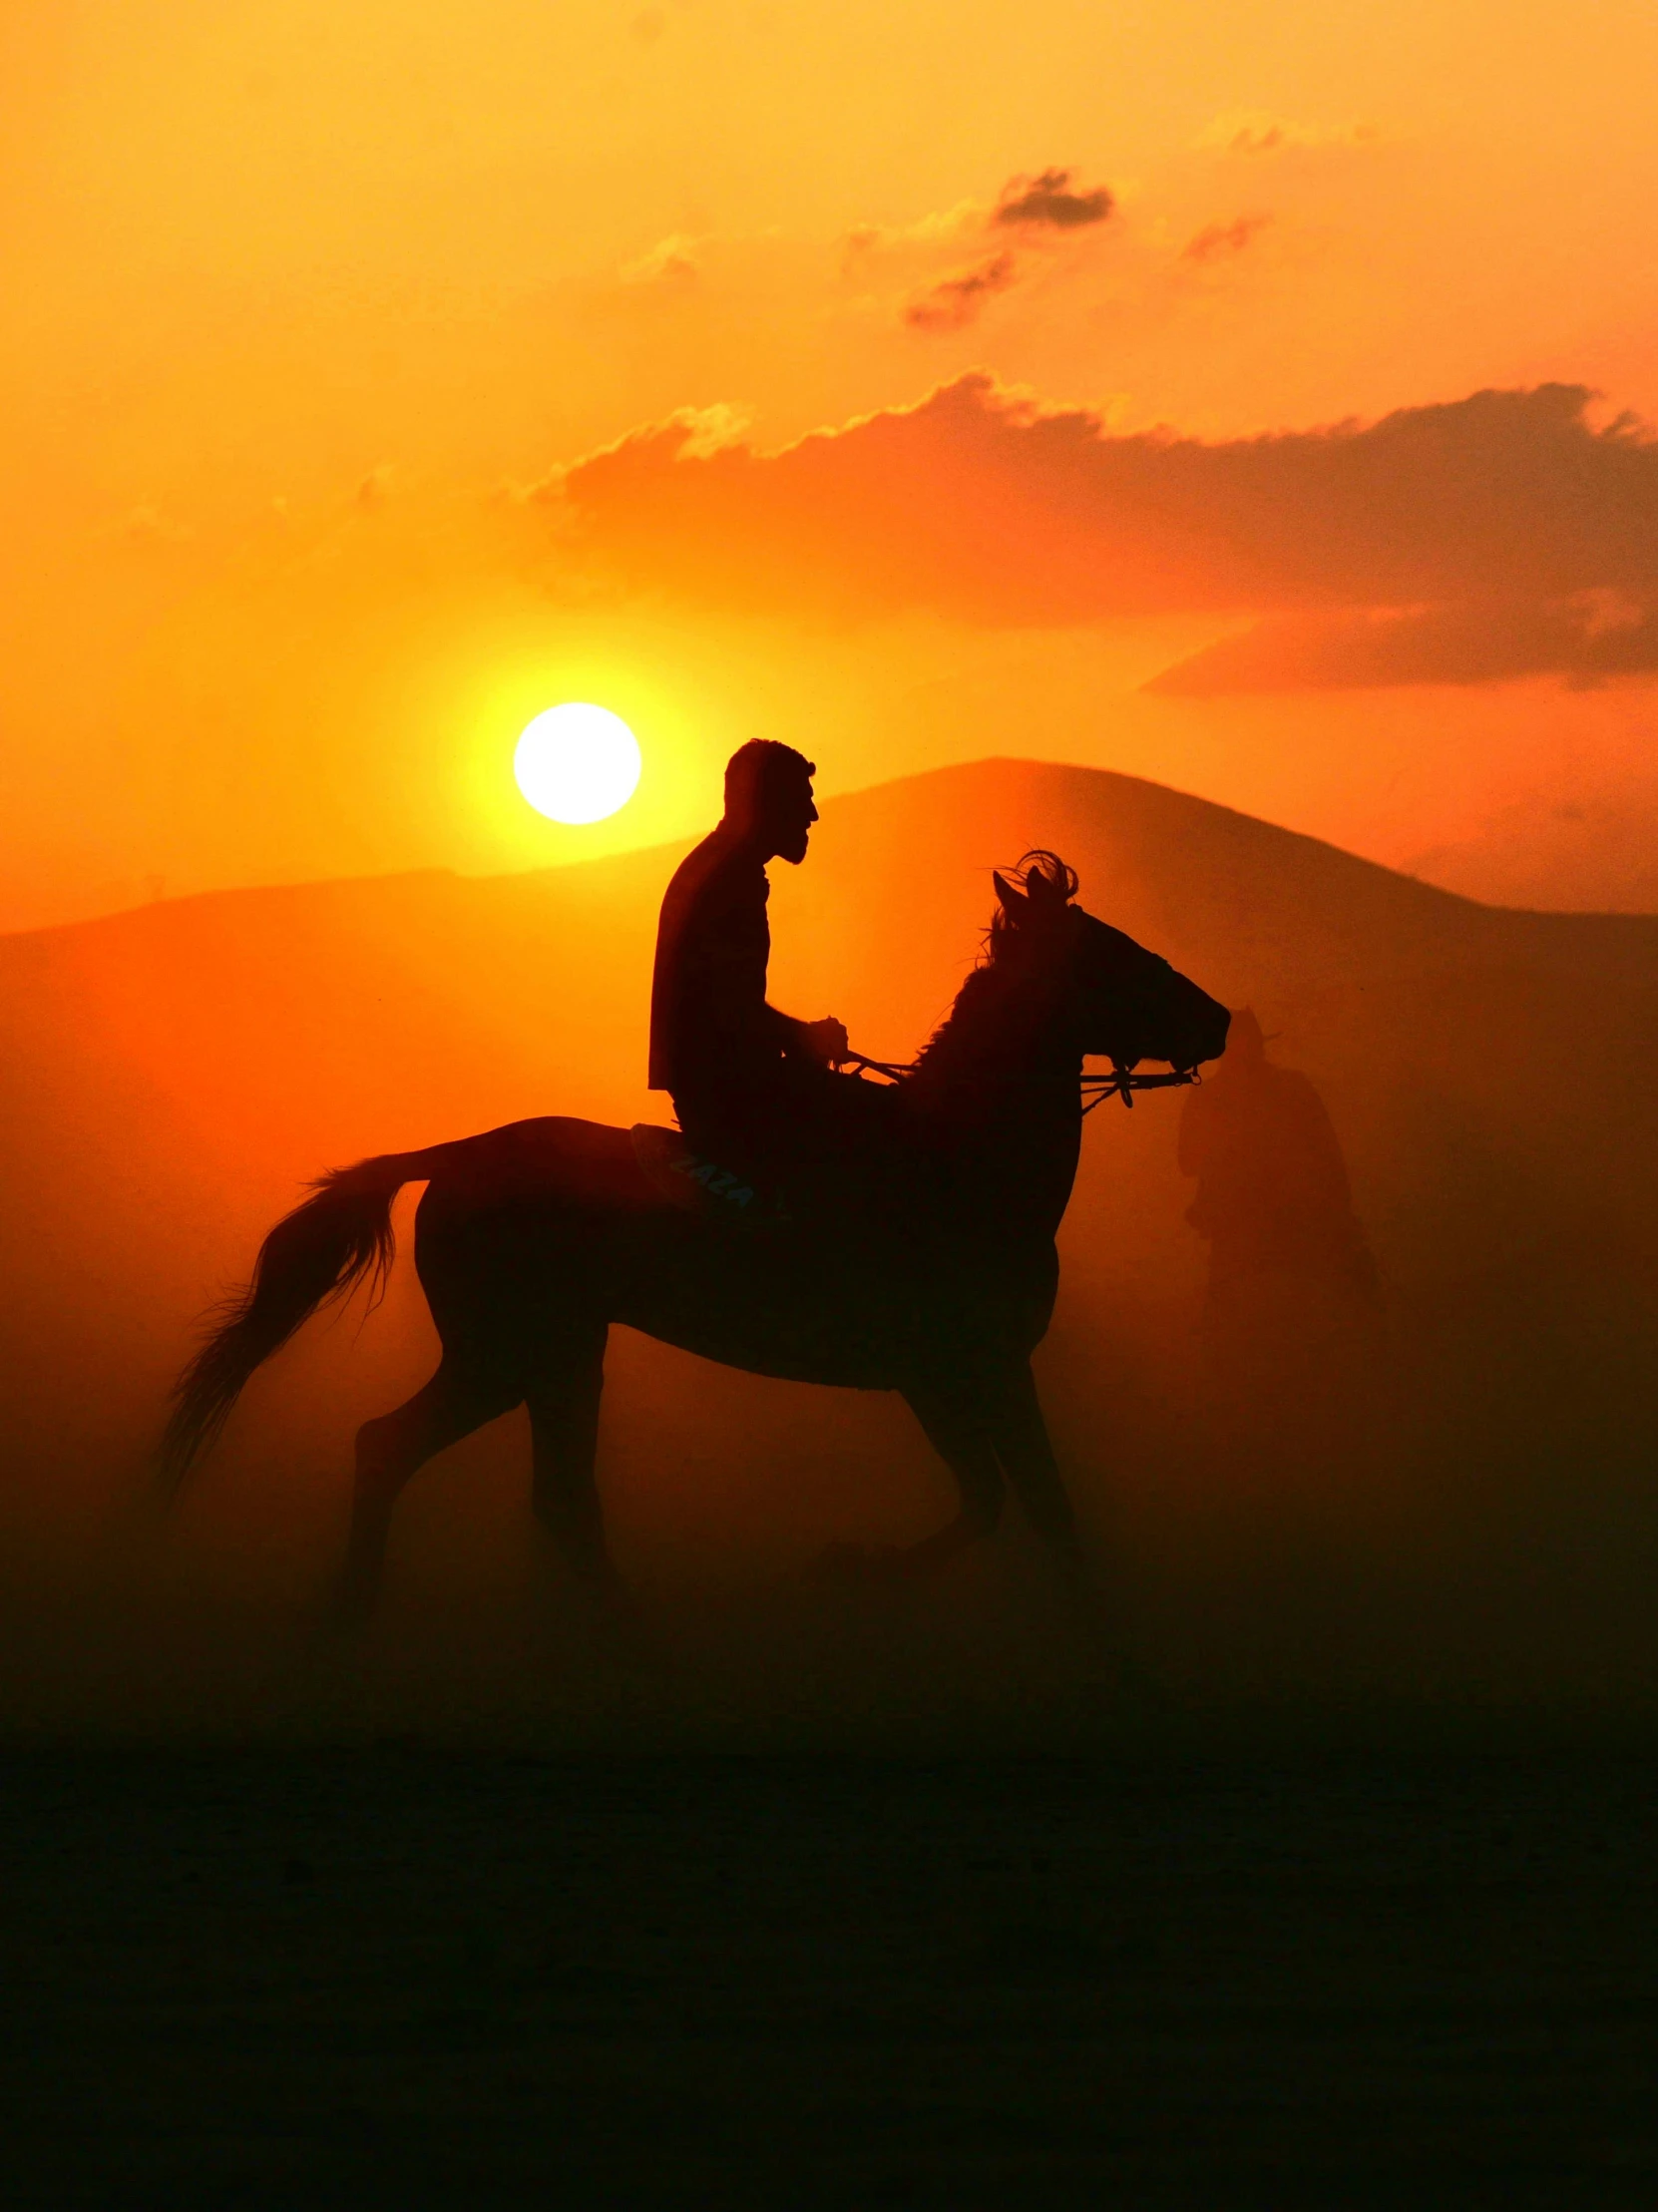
[828, 1145]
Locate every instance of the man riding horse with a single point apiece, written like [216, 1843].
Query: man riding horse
[531, 1240]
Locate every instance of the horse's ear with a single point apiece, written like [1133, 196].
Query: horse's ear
[1046, 891]
[1014, 901]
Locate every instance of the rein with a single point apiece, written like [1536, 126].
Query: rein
[1121, 1083]
[894, 1070]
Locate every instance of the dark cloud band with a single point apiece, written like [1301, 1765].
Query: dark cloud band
[981, 504]
[1588, 639]
[954, 302]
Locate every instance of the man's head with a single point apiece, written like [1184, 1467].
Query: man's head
[1245, 1046]
[768, 798]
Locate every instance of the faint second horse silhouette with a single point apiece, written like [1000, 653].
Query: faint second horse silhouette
[532, 1240]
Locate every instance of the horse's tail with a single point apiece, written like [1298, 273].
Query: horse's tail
[313, 1257]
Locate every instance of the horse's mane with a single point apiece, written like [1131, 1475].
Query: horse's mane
[960, 1039]
[976, 1039]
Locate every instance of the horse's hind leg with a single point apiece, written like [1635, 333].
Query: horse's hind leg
[564, 1430]
[452, 1405]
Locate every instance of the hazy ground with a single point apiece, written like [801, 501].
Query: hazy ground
[406, 1979]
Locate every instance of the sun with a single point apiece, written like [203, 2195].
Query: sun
[578, 763]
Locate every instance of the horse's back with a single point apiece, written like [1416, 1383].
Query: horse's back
[549, 1223]
[552, 1159]
[546, 1217]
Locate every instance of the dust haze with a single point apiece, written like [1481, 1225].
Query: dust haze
[1428, 1506]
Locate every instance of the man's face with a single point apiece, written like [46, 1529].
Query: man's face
[789, 816]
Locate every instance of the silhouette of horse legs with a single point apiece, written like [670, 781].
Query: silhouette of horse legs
[954, 1428]
[1020, 1436]
[982, 1434]
[456, 1401]
[1026, 1455]
[563, 1432]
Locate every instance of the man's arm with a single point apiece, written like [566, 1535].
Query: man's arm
[747, 1021]
[823, 1042]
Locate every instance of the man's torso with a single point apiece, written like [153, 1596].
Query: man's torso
[707, 1002]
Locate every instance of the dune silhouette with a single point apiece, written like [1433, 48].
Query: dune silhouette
[172, 1076]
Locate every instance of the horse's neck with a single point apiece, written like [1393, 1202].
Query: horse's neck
[1036, 1141]
[1000, 1086]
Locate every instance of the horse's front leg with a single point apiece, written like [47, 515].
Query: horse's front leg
[1020, 1435]
[953, 1420]
[564, 1404]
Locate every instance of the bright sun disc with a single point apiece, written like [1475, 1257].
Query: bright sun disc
[578, 763]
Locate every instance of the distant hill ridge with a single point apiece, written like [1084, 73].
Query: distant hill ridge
[1205, 857]
[371, 1011]
[422, 995]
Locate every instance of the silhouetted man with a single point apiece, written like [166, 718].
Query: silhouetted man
[752, 1086]
[1272, 1186]
[1290, 1320]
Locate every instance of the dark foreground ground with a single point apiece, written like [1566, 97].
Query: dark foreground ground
[401, 1979]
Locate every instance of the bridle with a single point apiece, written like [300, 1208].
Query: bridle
[1121, 1083]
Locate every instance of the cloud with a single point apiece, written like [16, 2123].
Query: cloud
[954, 302]
[145, 525]
[1032, 204]
[670, 261]
[710, 430]
[1047, 199]
[1588, 640]
[1043, 211]
[946, 225]
[1217, 242]
[981, 504]
[1255, 132]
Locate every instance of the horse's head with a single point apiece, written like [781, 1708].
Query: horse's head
[1119, 1001]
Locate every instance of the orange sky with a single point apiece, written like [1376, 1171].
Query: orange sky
[304, 302]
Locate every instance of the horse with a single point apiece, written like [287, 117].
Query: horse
[532, 1240]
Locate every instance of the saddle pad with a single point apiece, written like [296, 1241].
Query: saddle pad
[697, 1186]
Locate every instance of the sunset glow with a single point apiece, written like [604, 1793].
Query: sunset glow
[644, 649]
[378, 379]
